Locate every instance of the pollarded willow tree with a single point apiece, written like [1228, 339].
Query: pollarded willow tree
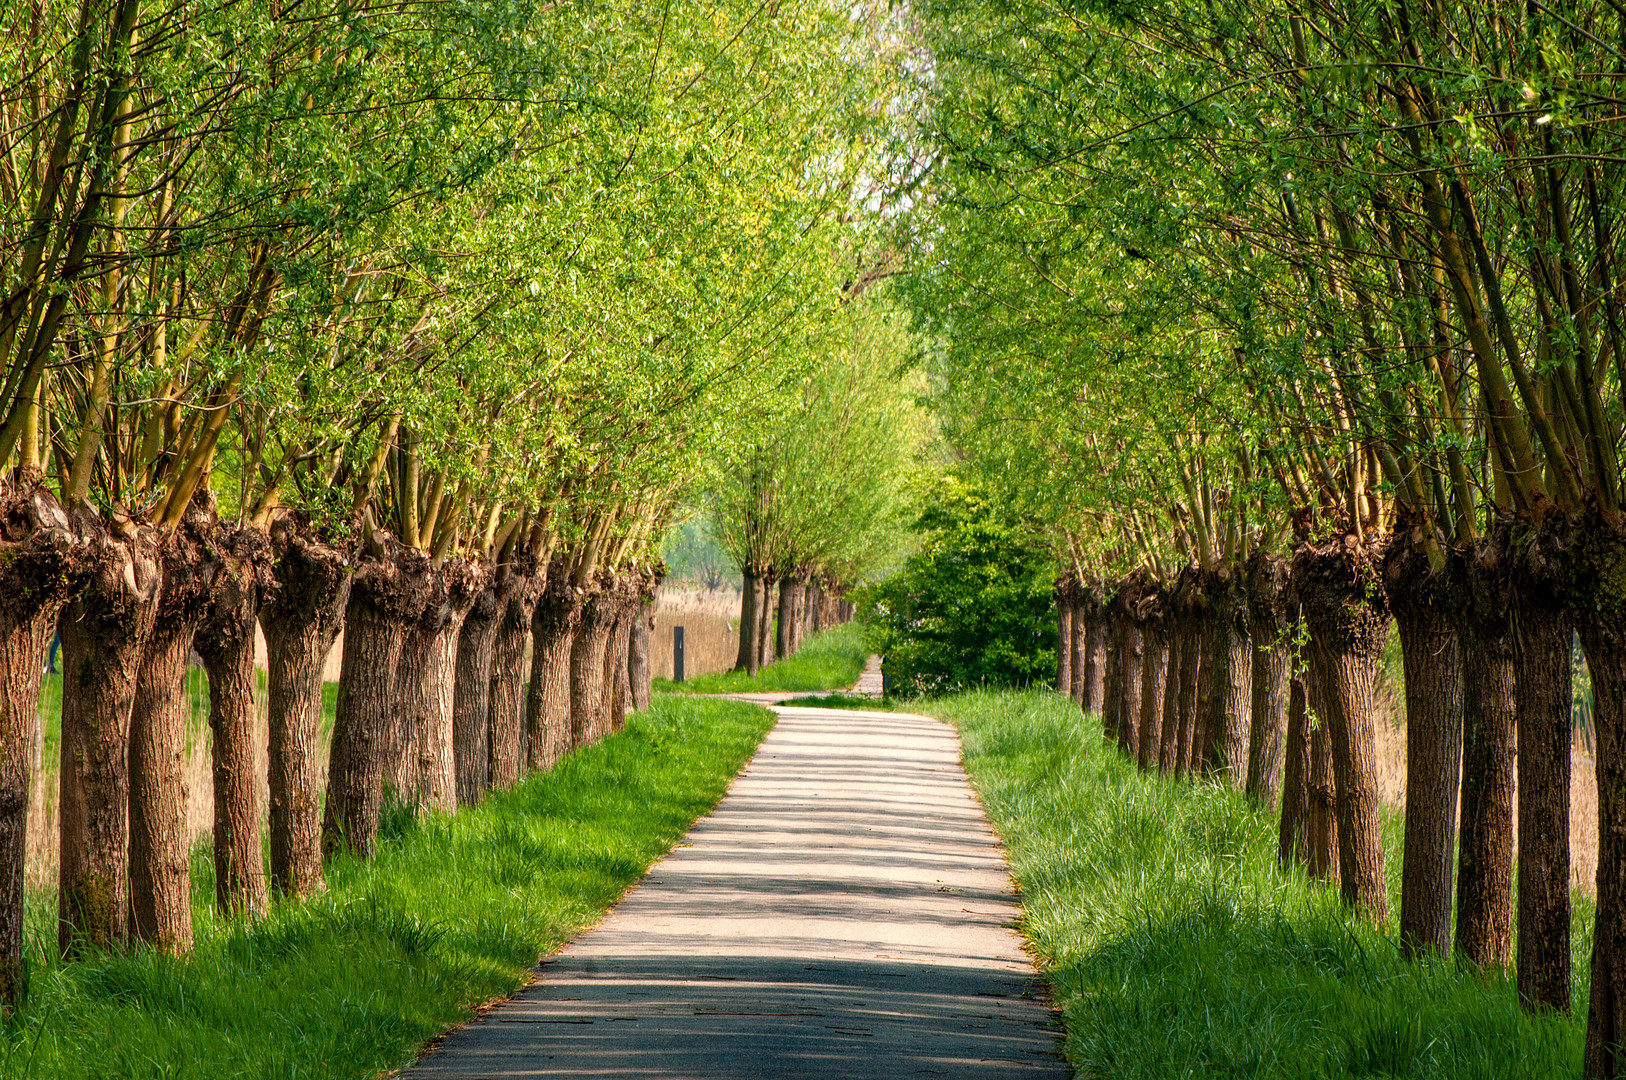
[410, 322]
[814, 500]
[1333, 293]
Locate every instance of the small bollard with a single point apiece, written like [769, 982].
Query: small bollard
[677, 654]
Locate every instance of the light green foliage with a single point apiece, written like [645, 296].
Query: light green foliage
[451, 912]
[818, 491]
[1176, 948]
[830, 660]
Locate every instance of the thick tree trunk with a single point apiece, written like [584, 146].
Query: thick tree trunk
[1154, 674]
[1225, 747]
[1064, 637]
[1192, 673]
[1091, 693]
[1078, 646]
[587, 669]
[301, 617]
[765, 622]
[1128, 707]
[471, 698]
[39, 569]
[1168, 743]
[1112, 688]
[434, 744]
[1270, 629]
[225, 641]
[1424, 603]
[1489, 755]
[750, 594]
[104, 633]
[1542, 700]
[411, 684]
[387, 596]
[1323, 799]
[1347, 615]
[547, 701]
[617, 690]
[1599, 575]
[790, 606]
[639, 664]
[517, 590]
[160, 870]
[1293, 830]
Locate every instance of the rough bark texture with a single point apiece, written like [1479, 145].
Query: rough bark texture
[519, 584]
[1091, 693]
[1423, 601]
[1542, 700]
[160, 871]
[40, 568]
[1489, 755]
[433, 743]
[622, 649]
[639, 665]
[750, 597]
[616, 688]
[1271, 630]
[104, 633]
[1323, 799]
[1599, 601]
[301, 617]
[1168, 747]
[1191, 678]
[791, 591]
[1346, 612]
[587, 665]
[547, 701]
[411, 680]
[225, 642]
[1064, 637]
[1154, 674]
[765, 622]
[1225, 745]
[471, 698]
[1113, 673]
[387, 595]
[1293, 835]
[1126, 710]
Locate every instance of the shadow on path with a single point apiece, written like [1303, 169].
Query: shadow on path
[844, 912]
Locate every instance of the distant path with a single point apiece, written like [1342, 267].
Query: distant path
[868, 685]
[844, 912]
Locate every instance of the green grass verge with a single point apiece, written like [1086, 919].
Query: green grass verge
[844, 701]
[1175, 948]
[452, 912]
[831, 660]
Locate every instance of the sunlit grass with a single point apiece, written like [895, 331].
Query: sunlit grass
[831, 660]
[1175, 948]
[452, 912]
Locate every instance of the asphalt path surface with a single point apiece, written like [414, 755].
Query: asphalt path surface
[843, 912]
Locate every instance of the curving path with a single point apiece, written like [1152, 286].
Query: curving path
[843, 912]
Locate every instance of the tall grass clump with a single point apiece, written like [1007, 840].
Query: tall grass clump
[451, 913]
[829, 660]
[1176, 948]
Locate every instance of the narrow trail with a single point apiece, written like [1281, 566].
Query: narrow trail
[844, 912]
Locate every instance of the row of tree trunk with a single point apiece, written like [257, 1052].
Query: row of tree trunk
[771, 631]
[1260, 675]
[457, 678]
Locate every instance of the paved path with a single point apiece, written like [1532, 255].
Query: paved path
[844, 912]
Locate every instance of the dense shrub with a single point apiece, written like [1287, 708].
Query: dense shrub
[972, 607]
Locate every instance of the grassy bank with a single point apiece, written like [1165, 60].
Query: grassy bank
[450, 914]
[831, 660]
[1176, 949]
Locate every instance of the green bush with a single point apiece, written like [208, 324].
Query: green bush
[971, 608]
